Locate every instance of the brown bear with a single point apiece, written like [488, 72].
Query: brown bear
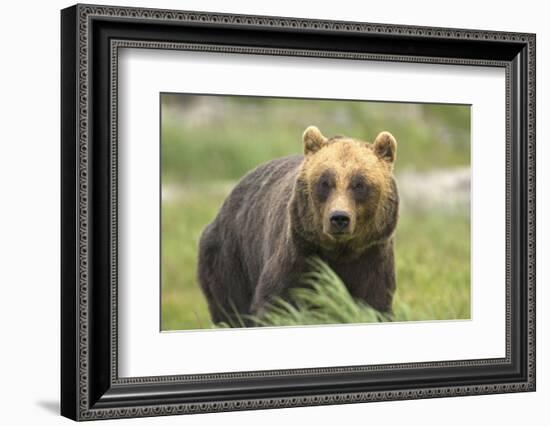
[338, 202]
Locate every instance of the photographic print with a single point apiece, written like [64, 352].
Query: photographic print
[297, 212]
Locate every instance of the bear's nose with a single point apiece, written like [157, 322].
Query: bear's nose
[339, 220]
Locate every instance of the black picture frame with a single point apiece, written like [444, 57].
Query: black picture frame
[90, 386]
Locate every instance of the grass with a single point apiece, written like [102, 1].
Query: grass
[322, 298]
[183, 305]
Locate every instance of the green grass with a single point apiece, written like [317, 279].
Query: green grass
[433, 266]
[321, 298]
[183, 305]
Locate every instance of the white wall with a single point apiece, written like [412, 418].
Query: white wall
[29, 211]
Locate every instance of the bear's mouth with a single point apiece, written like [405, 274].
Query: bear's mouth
[339, 235]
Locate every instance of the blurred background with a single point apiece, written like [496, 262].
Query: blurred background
[209, 142]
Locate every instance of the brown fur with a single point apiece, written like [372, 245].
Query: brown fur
[282, 212]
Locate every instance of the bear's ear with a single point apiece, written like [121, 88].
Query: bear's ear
[385, 147]
[313, 140]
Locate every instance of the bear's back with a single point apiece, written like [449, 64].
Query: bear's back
[254, 215]
[268, 184]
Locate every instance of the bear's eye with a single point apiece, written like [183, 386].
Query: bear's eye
[324, 186]
[359, 188]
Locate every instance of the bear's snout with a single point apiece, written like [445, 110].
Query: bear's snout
[339, 222]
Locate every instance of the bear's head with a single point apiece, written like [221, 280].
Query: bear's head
[345, 196]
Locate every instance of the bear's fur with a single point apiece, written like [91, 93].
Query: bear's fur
[338, 201]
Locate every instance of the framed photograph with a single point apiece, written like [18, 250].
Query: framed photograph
[263, 212]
